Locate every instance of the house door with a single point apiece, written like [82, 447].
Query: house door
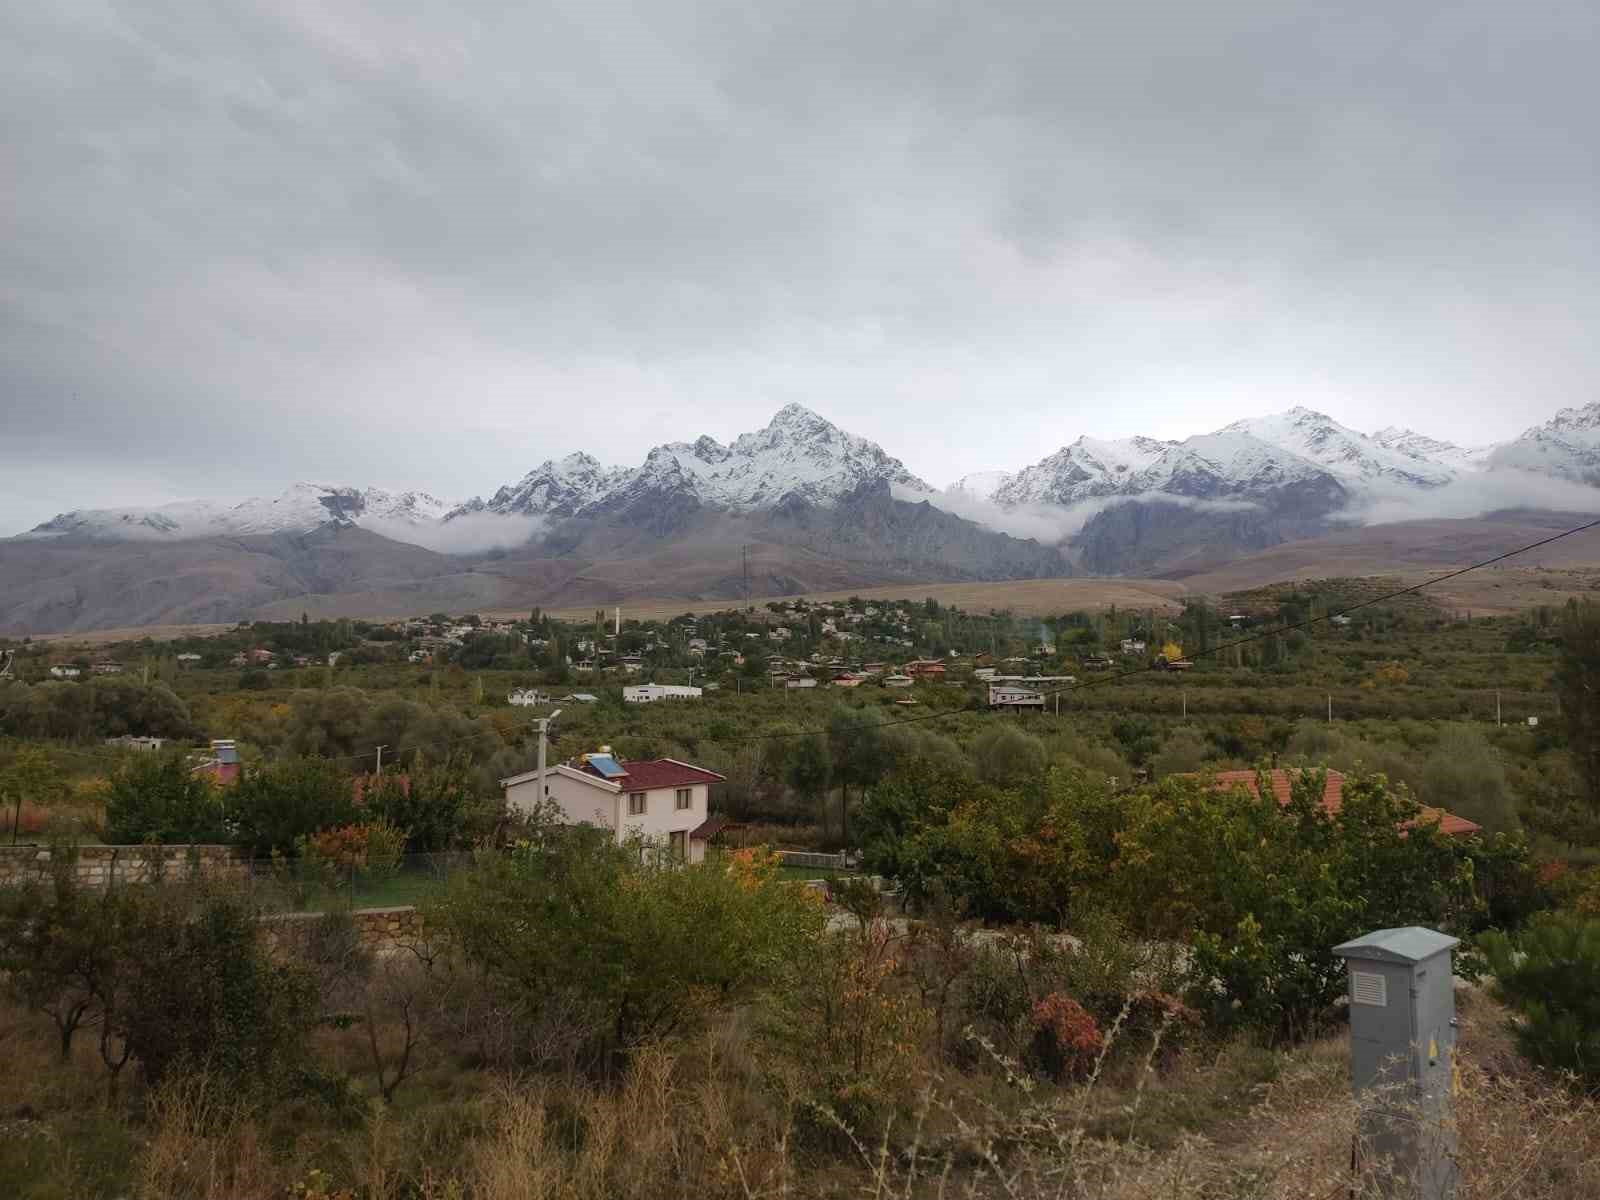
[680, 845]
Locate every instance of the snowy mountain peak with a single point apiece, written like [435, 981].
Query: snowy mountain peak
[299, 508]
[1344, 452]
[1568, 421]
[796, 454]
[1566, 446]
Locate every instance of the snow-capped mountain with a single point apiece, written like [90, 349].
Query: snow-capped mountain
[303, 507]
[1257, 456]
[1086, 469]
[797, 456]
[981, 485]
[1428, 449]
[552, 489]
[1567, 446]
[1318, 438]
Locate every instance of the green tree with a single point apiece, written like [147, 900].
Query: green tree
[1550, 974]
[573, 923]
[1577, 684]
[275, 806]
[60, 947]
[858, 755]
[1006, 755]
[200, 992]
[808, 769]
[157, 798]
[429, 801]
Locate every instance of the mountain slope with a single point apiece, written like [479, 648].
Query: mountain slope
[817, 507]
[303, 507]
[1567, 446]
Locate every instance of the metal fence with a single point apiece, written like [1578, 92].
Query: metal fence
[296, 885]
[812, 860]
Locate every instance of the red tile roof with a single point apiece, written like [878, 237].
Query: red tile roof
[1333, 796]
[646, 774]
[708, 829]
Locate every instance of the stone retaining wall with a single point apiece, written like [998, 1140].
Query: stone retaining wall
[380, 930]
[98, 866]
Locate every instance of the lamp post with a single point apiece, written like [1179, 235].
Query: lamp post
[544, 739]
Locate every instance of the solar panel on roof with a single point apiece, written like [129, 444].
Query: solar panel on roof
[608, 767]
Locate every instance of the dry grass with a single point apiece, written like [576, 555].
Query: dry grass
[703, 1120]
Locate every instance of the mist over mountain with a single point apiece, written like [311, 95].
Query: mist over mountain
[820, 507]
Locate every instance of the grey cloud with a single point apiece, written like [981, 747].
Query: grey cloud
[1052, 524]
[471, 533]
[436, 245]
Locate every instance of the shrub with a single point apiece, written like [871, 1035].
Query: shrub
[156, 798]
[1067, 1039]
[202, 994]
[372, 851]
[1550, 974]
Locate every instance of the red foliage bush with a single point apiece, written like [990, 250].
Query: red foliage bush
[1066, 1038]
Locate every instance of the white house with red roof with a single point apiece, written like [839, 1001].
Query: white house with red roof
[659, 800]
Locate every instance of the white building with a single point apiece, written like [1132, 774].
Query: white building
[527, 697]
[648, 693]
[662, 801]
[66, 672]
[129, 742]
[1009, 695]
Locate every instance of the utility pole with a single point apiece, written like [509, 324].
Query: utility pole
[381, 749]
[544, 741]
[1330, 708]
[1185, 695]
[1497, 710]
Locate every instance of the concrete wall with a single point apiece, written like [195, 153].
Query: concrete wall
[97, 866]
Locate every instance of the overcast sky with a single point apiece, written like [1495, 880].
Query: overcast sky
[431, 245]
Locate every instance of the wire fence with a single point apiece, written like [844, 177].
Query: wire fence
[302, 885]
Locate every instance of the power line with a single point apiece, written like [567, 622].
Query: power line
[1151, 667]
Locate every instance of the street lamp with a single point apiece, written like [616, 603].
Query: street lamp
[544, 737]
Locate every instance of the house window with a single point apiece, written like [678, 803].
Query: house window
[685, 798]
[680, 845]
[636, 804]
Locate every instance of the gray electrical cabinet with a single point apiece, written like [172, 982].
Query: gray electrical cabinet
[1402, 1056]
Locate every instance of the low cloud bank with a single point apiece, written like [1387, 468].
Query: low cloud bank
[470, 533]
[1050, 524]
[1472, 495]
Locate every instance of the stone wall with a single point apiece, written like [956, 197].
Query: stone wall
[380, 930]
[98, 866]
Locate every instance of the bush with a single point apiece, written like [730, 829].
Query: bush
[156, 798]
[631, 951]
[202, 994]
[372, 851]
[1550, 974]
[276, 806]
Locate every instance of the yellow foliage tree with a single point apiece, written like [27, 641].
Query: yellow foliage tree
[1171, 651]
